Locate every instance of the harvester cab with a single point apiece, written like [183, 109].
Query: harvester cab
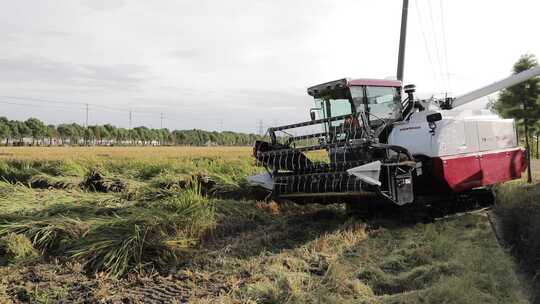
[370, 103]
[379, 100]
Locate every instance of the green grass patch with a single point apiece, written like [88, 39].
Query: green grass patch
[16, 248]
[518, 209]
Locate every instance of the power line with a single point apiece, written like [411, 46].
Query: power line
[83, 105]
[71, 103]
[443, 27]
[77, 104]
[42, 100]
[426, 44]
[435, 41]
[38, 104]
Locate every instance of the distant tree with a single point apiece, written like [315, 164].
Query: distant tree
[78, 132]
[19, 130]
[51, 133]
[90, 135]
[103, 134]
[37, 129]
[72, 134]
[64, 132]
[165, 136]
[110, 132]
[5, 131]
[143, 134]
[122, 135]
[521, 101]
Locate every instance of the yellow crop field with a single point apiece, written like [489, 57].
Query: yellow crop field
[59, 153]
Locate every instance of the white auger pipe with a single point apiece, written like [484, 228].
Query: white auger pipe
[496, 86]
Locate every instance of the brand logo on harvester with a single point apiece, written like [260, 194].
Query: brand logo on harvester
[410, 128]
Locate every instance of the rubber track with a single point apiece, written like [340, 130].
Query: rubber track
[428, 209]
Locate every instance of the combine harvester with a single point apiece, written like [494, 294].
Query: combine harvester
[381, 144]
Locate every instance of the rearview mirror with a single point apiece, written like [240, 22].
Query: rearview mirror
[434, 117]
[312, 113]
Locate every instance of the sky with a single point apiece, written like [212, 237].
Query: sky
[228, 65]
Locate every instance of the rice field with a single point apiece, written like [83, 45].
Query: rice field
[181, 225]
[140, 153]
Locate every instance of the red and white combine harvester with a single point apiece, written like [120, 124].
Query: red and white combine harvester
[377, 140]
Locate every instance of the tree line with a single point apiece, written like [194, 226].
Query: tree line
[34, 132]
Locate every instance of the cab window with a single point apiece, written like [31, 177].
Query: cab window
[383, 102]
[357, 95]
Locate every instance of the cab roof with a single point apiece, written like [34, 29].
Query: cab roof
[322, 89]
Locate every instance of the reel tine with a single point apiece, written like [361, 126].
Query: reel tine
[306, 165]
[299, 163]
[292, 161]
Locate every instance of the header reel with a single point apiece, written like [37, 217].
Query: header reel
[355, 165]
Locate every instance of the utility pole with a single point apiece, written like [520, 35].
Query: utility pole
[221, 125]
[161, 140]
[86, 139]
[537, 142]
[129, 130]
[402, 40]
[86, 116]
[261, 128]
[529, 152]
[527, 145]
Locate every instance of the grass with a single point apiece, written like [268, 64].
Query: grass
[131, 224]
[518, 208]
[339, 260]
[156, 213]
[17, 248]
[116, 236]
